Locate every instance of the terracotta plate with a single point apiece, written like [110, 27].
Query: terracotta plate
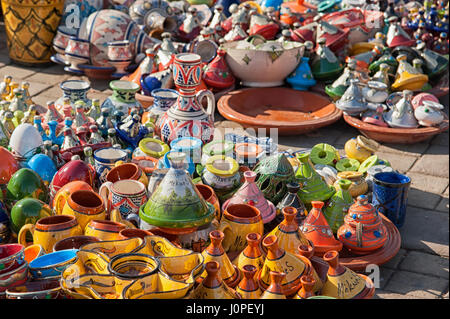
[290, 111]
[396, 135]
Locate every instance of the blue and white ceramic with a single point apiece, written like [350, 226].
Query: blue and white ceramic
[104, 160]
[190, 145]
[163, 100]
[390, 195]
[52, 265]
[44, 166]
[75, 90]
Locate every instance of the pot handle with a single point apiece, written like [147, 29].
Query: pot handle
[104, 191]
[60, 201]
[210, 99]
[21, 238]
[226, 228]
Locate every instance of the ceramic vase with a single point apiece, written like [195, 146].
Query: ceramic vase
[316, 229]
[31, 45]
[229, 273]
[338, 205]
[277, 259]
[360, 148]
[249, 193]
[187, 116]
[274, 173]
[252, 254]
[313, 187]
[344, 283]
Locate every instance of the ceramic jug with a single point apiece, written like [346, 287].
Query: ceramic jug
[187, 116]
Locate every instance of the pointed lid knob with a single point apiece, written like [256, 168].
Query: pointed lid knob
[212, 279]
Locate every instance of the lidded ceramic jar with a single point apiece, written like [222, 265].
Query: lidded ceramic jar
[248, 287]
[375, 92]
[291, 199]
[252, 254]
[352, 101]
[429, 113]
[363, 231]
[360, 148]
[401, 115]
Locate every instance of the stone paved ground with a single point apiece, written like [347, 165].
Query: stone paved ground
[421, 268]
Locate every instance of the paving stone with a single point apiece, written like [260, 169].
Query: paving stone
[385, 276]
[54, 91]
[42, 99]
[408, 149]
[443, 205]
[434, 162]
[427, 264]
[36, 88]
[48, 78]
[382, 294]
[425, 190]
[441, 139]
[423, 199]
[18, 73]
[399, 162]
[416, 285]
[394, 262]
[425, 230]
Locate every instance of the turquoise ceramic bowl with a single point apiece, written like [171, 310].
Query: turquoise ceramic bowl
[52, 265]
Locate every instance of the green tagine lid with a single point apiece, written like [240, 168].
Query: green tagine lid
[338, 205]
[313, 187]
[176, 202]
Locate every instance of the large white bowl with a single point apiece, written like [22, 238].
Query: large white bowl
[262, 68]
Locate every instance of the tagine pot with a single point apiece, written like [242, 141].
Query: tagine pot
[363, 231]
[306, 291]
[325, 66]
[213, 286]
[176, 205]
[307, 251]
[338, 205]
[187, 116]
[249, 193]
[291, 199]
[276, 289]
[276, 260]
[273, 174]
[344, 283]
[302, 78]
[316, 229]
[248, 288]
[230, 273]
[217, 74]
[252, 253]
[312, 186]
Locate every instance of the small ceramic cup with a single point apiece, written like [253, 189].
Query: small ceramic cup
[127, 171]
[77, 52]
[105, 159]
[74, 242]
[237, 222]
[48, 230]
[124, 195]
[52, 265]
[104, 229]
[120, 55]
[85, 206]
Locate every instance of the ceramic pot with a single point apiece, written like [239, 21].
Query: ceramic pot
[278, 259]
[221, 173]
[146, 163]
[163, 101]
[123, 97]
[343, 283]
[316, 229]
[358, 185]
[360, 148]
[429, 114]
[73, 90]
[120, 56]
[31, 46]
[188, 165]
[28, 211]
[85, 206]
[52, 265]
[15, 277]
[237, 222]
[33, 251]
[209, 195]
[375, 92]
[338, 205]
[74, 242]
[250, 194]
[105, 159]
[26, 183]
[187, 116]
[217, 148]
[191, 146]
[48, 230]
[76, 52]
[125, 195]
[274, 173]
[307, 288]
[132, 233]
[199, 239]
[217, 74]
[313, 187]
[229, 273]
[247, 153]
[288, 233]
[275, 290]
[45, 289]
[132, 266]
[401, 114]
[44, 166]
[12, 256]
[127, 171]
[155, 179]
[252, 254]
[390, 195]
[63, 194]
[76, 170]
[61, 40]
[291, 199]
[153, 147]
[104, 229]
[248, 287]
[8, 166]
[307, 252]
[212, 286]
[176, 205]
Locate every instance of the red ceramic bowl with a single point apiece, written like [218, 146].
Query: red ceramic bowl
[11, 257]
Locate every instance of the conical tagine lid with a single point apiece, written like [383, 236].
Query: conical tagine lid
[250, 194]
[338, 205]
[344, 283]
[316, 229]
[176, 202]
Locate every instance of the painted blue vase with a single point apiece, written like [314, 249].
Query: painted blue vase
[390, 195]
[302, 78]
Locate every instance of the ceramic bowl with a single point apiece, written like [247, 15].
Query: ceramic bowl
[72, 171]
[133, 266]
[74, 242]
[33, 251]
[52, 265]
[45, 289]
[15, 277]
[11, 257]
[262, 68]
[44, 166]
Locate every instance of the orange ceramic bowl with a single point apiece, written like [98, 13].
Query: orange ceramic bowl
[33, 251]
[61, 196]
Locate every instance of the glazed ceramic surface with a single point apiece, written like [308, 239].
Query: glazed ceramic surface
[46, 289]
[252, 254]
[63, 194]
[52, 265]
[105, 160]
[123, 97]
[105, 230]
[127, 171]
[221, 173]
[25, 147]
[26, 183]
[76, 170]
